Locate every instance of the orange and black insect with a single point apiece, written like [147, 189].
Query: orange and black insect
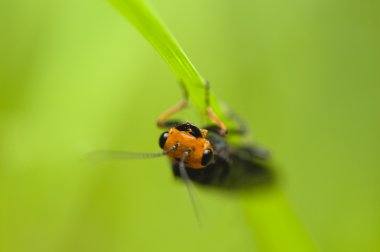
[204, 155]
[208, 159]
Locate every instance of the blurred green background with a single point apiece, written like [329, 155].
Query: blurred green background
[76, 77]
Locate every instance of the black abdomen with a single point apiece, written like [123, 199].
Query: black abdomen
[238, 172]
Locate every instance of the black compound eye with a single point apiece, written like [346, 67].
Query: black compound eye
[163, 138]
[207, 157]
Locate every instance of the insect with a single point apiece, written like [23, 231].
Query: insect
[204, 155]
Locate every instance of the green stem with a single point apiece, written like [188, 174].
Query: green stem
[141, 15]
[275, 226]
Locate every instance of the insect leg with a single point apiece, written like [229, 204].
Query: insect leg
[162, 121]
[211, 113]
[240, 126]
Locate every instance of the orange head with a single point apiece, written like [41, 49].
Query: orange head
[188, 138]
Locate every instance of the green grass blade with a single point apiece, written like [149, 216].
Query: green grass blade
[275, 227]
[270, 216]
[141, 15]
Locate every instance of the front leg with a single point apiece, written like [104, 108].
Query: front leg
[211, 114]
[162, 121]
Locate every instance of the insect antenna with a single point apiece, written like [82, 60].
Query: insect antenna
[109, 154]
[186, 180]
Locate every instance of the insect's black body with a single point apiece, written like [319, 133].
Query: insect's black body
[234, 167]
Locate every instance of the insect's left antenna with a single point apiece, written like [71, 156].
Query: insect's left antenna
[107, 154]
[186, 180]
